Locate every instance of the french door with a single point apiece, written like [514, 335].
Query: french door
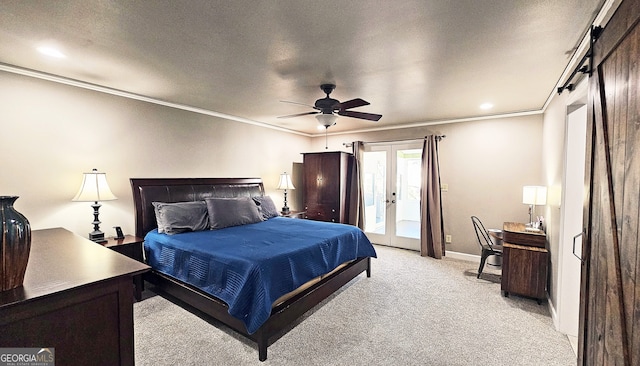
[391, 187]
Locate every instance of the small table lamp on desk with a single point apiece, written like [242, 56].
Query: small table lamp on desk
[524, 261]
[532, 196]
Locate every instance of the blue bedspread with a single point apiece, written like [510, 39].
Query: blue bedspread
[250, 266]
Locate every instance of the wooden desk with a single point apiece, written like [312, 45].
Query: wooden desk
[524, 261]
[77, 297]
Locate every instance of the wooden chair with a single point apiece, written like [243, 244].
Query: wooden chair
[487, 245]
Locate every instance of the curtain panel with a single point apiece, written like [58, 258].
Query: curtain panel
[432, 228]
[356, 201]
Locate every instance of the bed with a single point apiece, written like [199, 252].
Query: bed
[273, 302]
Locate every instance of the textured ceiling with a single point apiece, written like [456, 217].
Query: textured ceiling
[414, 61]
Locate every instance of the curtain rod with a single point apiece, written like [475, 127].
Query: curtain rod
[350, 144]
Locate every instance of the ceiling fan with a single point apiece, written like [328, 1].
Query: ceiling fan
[327, 109]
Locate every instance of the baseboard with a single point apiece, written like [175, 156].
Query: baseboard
[462, 256]
[554, 313]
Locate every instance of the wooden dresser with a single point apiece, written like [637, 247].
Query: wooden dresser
[77, 297]
[524, 261]
[326, 186]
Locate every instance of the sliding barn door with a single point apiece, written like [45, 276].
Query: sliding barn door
[610, 294]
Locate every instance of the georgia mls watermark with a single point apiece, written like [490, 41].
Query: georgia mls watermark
[27, 357]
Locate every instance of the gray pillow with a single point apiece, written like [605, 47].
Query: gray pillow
[266, 207]
[173, 218]
[225, 212]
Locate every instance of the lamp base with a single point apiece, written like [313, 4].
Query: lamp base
[285, 210]
[97, 237]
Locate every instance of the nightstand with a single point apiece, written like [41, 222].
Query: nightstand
[130, 246]
[294, 214]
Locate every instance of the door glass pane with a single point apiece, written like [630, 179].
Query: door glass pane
[408, 167]
[374, 189]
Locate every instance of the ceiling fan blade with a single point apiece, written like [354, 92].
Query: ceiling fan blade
[361, 115]
[290, 102]
[353, 103]
[298, 114]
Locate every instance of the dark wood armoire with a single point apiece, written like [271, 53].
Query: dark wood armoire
[610, 293]
[326, 186]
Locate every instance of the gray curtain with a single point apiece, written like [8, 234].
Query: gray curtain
[356, 201]
[432, 228]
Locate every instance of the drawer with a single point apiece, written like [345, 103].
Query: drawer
[322, 212]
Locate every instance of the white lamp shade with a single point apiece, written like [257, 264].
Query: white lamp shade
[285, 182]
[534, 195]
[94, 188]
[326, 120]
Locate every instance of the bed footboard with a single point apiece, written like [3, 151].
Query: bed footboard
[281, 317]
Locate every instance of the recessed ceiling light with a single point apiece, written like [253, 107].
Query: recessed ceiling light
[50, 51]
[486, 106]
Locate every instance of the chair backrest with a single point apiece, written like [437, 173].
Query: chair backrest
[484, 239]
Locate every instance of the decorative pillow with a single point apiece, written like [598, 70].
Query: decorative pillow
[225, 212]
[173, 218]
[266, 207]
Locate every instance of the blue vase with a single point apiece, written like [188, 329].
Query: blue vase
[15, 244]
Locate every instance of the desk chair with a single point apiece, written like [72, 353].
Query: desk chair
[486, 243]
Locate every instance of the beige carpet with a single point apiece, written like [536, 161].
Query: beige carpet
[412, 311]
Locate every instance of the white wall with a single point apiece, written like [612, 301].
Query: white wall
[484, 162]
[52, 133]
[553, 147]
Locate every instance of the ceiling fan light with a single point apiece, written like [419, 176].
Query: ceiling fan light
[326, 120]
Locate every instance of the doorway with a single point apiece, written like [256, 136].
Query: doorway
[571, 221]
[391, 188]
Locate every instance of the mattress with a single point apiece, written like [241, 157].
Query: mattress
[250, 267]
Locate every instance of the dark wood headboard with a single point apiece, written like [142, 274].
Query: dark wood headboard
[148, 190]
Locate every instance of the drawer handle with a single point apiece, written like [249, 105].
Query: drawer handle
[574, 246]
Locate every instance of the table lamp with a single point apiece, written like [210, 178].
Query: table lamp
[284, 184]
[94, 188]
[532, 196]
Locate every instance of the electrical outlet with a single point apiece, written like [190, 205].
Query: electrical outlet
[444, 187]
[447, 239]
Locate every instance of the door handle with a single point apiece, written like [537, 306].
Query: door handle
[574, 246]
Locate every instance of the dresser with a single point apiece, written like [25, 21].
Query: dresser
[326, 186]
[77, 297]
[525, 261]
